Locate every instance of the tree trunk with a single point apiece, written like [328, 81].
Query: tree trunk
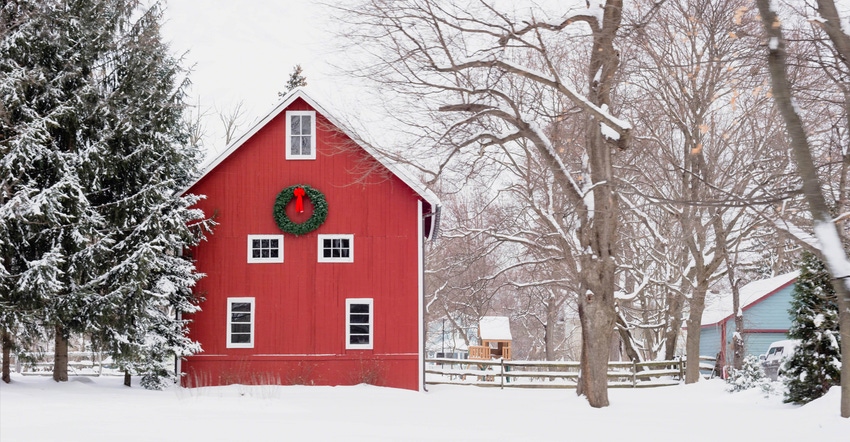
[60, 355]
[549, 329]
[824, 227]
[841, 41]
[692, 342]
[598, 229]
[674, 321]
[597, 328]
[127, 378]
[7, 355]
[628, 340]
[844, 333]
[738, 339]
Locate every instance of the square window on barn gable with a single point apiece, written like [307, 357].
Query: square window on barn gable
[358, 323]
[240, 322]
[336, 248]
[265, 248]
[301, 135]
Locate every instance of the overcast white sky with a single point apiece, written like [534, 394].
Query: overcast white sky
[245, 50]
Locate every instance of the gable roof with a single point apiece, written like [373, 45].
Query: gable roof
[494, 328]
[425, 193]
[720, 308]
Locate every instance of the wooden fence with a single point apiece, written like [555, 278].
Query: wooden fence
[545, 374]
[79, 364]
[485, 373]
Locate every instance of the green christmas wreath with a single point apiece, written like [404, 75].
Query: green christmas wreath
[320, 210]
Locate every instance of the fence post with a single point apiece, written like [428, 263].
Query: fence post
[681, 368]
[634, 374]
[502, 377]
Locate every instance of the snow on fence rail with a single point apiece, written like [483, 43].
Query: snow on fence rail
[547, 374]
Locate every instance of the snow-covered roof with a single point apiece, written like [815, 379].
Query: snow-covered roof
[426, 194]
[495, 328]
[720, 308]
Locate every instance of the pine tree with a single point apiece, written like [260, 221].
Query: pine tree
[815, 365]
[149, 284]
[46, 219]
[296, 79]
[94, 157]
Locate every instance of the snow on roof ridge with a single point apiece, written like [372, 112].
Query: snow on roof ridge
[289, 98]
[495, 328]
[720, 308]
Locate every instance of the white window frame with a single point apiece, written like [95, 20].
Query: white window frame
[253, 260]
[321, 248]
[348, 303]
[289, 154]
[230, 302]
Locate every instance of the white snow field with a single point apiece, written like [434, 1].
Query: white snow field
[102, 409]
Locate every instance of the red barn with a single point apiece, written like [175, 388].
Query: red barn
[314, 273]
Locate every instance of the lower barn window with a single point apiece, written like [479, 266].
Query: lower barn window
[358, 323]
[240, 322]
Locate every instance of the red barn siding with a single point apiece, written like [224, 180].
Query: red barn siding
[300, 303]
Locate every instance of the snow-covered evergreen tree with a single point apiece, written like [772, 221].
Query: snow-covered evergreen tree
[46, 218]
[296, 79]
[815, 364]
[149, 284]
[751, 375]
[93, 157]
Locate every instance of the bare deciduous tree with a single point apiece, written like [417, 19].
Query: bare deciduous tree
[195, 119]
[495, 78]
[702, 106]
[232, 120]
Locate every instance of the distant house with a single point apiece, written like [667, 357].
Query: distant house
[314, 273]
[445, 340]
[765, 307]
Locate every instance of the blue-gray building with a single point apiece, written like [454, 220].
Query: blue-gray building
[765, 307]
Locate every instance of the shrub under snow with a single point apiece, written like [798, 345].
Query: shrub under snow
[749, 376]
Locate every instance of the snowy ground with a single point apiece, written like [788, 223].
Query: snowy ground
[101, 409]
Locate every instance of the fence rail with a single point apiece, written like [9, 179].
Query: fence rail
[80, 363]
[486, 373]
[545, 374]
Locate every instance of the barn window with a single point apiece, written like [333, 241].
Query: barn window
[301, 135]
[265, 248]
[240, 322]
[336, 248]
[358, 323]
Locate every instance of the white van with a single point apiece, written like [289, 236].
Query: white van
[776, 355]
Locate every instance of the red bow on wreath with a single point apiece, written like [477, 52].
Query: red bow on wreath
[299, 202]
